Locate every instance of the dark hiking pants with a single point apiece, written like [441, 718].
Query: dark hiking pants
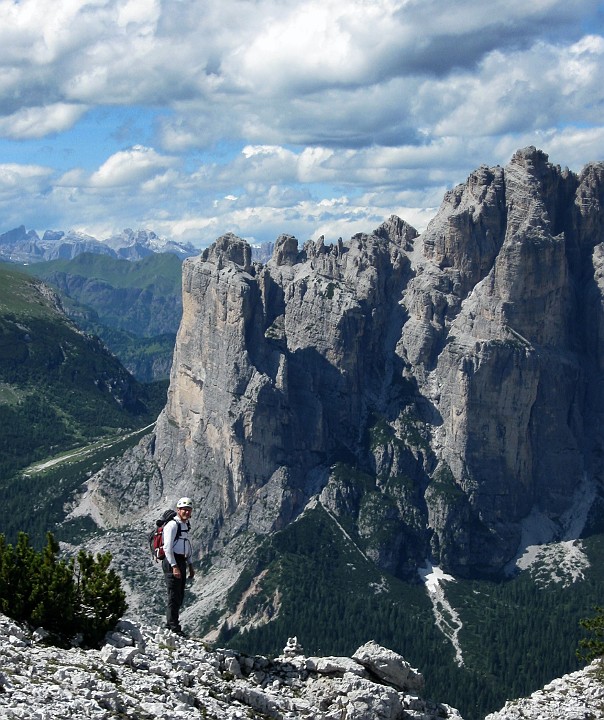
[176, 591]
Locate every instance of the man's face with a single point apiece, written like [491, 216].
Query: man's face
[184, 513]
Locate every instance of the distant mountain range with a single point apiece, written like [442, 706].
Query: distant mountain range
[26, 246]
[125, 288]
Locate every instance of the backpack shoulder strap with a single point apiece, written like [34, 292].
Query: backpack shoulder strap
[178, 529]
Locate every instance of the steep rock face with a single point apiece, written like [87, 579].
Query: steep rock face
[506, 364]
[431, 392]
[273, 369]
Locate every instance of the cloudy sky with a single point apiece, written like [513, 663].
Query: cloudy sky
[198, 117]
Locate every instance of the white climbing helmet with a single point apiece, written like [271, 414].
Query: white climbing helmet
[185, 502]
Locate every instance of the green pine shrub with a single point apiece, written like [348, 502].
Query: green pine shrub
[99, 598]
[79, 597]
[592, 647]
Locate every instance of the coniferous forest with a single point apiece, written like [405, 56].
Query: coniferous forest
[516, 636]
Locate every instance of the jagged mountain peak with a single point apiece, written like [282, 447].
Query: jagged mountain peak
[229, 248]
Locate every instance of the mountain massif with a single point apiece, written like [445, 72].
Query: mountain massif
[445, 388]
[353, 413]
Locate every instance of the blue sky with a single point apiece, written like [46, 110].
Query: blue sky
[194, 118]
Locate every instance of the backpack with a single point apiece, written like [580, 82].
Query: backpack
[156, 538]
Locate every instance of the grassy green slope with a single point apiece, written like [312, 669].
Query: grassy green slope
[44, 488]
[161, 270]
[134, 307]
[59, 388]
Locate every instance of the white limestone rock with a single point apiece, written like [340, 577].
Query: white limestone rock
[149, 679]
[292, 647]
[332, 665]
[577, 696]
[389, 667]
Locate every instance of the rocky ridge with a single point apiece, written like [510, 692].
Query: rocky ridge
[577, 696]
[147, 673]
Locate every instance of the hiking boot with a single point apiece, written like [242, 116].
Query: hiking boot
[177, 631]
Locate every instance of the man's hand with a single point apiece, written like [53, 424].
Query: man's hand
[191, 572]
[176, 571]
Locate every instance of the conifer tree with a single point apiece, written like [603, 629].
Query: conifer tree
[100, 600]
[7, 572]
[592, 647]
[23, 578]
[52, 593]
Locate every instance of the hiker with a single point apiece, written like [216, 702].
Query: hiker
[178, 555]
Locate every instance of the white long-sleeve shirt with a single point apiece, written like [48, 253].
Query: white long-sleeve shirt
[181, 546]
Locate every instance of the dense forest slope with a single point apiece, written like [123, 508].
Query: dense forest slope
[59, 387]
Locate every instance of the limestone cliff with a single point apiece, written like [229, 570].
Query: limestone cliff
[504, 341]
[432, 390]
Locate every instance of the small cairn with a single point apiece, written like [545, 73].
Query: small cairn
[293, 647]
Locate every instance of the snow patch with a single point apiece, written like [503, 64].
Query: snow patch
[432, 576]
[447, 618]
[551, 548]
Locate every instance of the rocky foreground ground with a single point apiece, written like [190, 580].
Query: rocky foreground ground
[146, 673]
[578, 696]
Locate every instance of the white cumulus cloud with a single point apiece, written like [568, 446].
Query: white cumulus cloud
[129, 167]
[283, 115]
[37, 122]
